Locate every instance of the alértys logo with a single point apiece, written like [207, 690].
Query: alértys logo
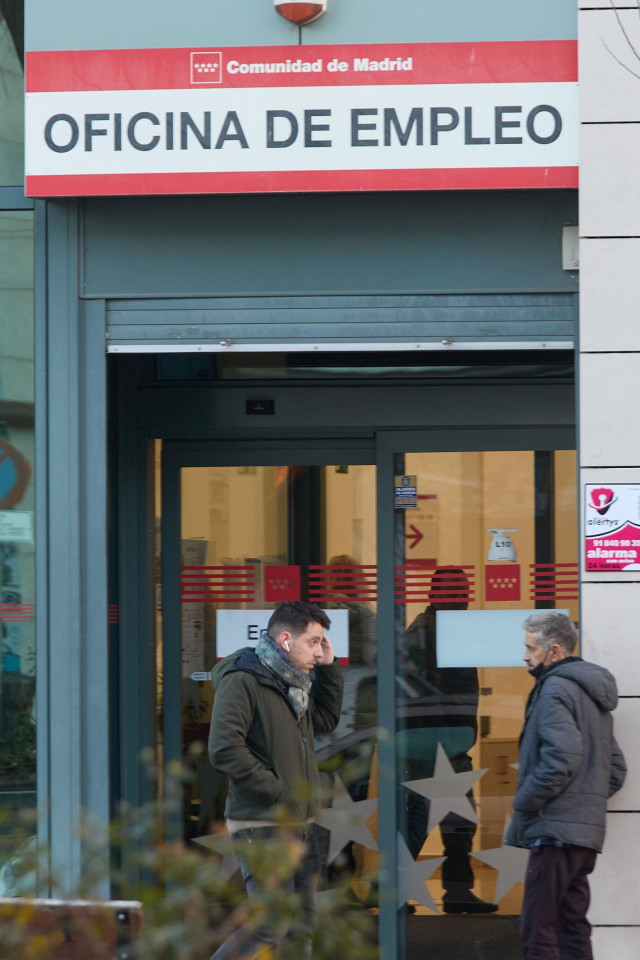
[601, 499]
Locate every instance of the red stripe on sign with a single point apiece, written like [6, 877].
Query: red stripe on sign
[300, 181]
[212, 67]
[16, 612]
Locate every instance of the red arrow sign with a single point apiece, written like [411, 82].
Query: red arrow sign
[415, 535]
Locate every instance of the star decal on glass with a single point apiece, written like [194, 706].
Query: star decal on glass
[221, 844]
[447, 790]
[346, 820]
[413, 876]
[510, 862]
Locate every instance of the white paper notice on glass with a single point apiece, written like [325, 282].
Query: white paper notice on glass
[241, 628]
[193, 554]
[481, 638]
[16, 526]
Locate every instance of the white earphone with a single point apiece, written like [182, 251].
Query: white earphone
[286, 645]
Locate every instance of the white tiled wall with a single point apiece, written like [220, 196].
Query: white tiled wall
[627, 723]
[599, 4]
[609, 386]
[609, 631]
[615, 891]
[609, 181]
[608, 87]
[609, 405]
[609, 317]
[616, 943]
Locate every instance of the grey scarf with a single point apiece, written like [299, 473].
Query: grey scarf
[297, 682]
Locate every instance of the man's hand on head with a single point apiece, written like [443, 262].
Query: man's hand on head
[328, 654]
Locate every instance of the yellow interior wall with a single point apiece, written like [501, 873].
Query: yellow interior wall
[350, 510]
[239, 511]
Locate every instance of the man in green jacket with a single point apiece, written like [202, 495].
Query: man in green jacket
[266, 712]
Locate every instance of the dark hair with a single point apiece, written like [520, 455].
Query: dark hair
[450, 584]
[293, 616]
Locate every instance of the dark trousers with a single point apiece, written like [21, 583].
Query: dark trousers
[554, 924]
[247, 942]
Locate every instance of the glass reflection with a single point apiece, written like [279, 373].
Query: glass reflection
[250, 534]
[440, 710]
[460, 700]
[11, 93]
[17, 600]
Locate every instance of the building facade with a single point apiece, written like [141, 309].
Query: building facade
[304, 330]
[608, 220]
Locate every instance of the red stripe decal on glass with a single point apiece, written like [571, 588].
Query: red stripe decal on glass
[339, 582]
[217, 584]
[553, 581]
[443, 584]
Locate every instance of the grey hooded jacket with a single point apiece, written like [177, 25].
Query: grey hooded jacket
[570, 763]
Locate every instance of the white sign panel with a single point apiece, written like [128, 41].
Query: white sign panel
[267, 119]
[16, 526]
[241, 628]
[193, 553]
[481, 638]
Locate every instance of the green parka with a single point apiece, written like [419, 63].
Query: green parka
[256, 740]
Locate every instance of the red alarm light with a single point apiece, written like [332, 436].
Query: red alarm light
[300, 11]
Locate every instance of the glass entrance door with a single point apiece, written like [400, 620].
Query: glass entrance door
[477, 538]
[241, 531]
[426, 552]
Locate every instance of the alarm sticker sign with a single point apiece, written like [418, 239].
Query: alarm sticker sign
[612, 527]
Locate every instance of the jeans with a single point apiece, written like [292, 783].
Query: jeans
[247, 942]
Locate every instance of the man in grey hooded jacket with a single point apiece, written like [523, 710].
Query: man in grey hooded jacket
[570, 764]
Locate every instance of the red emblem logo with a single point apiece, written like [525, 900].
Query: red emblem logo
[281, 583]
[502, 582]
[300, 11]
[206, 67]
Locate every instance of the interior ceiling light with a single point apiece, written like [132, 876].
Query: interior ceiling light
[300, 11]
